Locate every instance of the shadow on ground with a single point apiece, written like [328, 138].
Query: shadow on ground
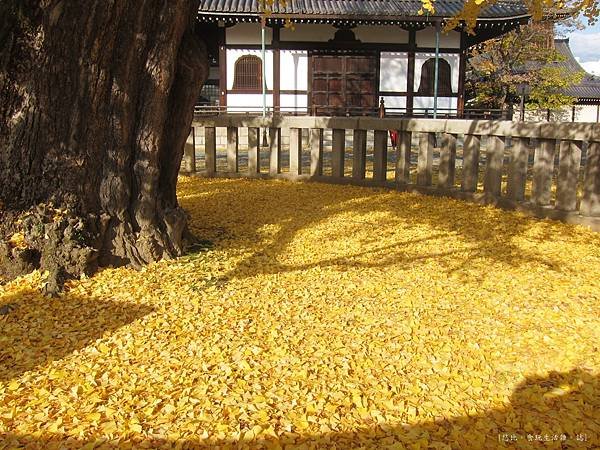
[485, 232]
[558, 411]
[38, 330]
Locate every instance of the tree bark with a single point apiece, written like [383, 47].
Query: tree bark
[96, 101]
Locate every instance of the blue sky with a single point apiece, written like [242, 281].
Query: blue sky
[585, 45]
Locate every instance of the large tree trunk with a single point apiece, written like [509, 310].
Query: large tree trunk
[96, 101]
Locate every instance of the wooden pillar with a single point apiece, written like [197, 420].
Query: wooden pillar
[222, 68]
[568, 175]
[425, 159]
[543, 166]
[471, 146]
[359, 156]
[403, 153]
[590, 203]
[337, 154]
[410, 75]
[276, 69]
[316, 152]
[462, 67]
[517, 169]
[447, 161]
[309, 95]
[210, 150]
[380, 155]
[494, 157]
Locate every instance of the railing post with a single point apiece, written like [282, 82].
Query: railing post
[359, 158]
[232, 149]
[403, 152]
[492, 183]
[295, 151]
[517, 169]
[425, 159]
[447, 161]
[590, 203]
[210, 150]
[316, 152]
[543, 166]
[189, 153]
[568, 175]
[380, 155]
[253, 151]
[274, 151]
[337, 156]
[470, 176]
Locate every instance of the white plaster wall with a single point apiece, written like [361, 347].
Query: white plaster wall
[452, 58]
[308, 32]
[293, 102]
[586, 113]
[427, 102]
[394, 102]
[294, 70]
[234, 55]
[247, 102]
[583, 113]
[393, 70]
[381, 34]
[426, 38]
[246, 33]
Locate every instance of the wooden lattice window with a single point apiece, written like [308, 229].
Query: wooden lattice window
[247, 73]
[428, 77]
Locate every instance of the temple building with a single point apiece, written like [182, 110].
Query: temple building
[340, 57]
[587, 92]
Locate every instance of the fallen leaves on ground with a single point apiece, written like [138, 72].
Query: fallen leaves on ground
[320, 317]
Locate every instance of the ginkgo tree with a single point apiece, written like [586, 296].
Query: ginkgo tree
[96, 100]
[497, 66]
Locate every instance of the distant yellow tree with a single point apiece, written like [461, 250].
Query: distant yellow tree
[589, 9]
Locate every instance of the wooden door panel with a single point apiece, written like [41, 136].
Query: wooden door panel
[320, 99]
[319, 84]
[328, 64]
[368, 101]
[344, 81]
[336, 100]
[362, 64]
[335, 85]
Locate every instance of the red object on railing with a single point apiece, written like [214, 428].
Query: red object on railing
[394, 138]
[393, 133]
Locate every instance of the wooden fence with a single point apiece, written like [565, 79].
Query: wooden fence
[548, 170]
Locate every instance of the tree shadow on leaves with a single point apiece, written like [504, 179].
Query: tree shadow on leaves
[484, 233]
[555, 411]
[38, 330]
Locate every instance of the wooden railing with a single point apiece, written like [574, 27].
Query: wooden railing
[547, 170]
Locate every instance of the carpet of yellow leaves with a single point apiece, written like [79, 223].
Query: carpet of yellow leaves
[322, 317]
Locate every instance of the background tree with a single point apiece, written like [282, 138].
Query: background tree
[521, 56]
[96, 101]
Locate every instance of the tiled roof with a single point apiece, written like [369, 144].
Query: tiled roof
[360, 9]
[589, 87]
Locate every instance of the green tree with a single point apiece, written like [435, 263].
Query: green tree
[521, 56]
